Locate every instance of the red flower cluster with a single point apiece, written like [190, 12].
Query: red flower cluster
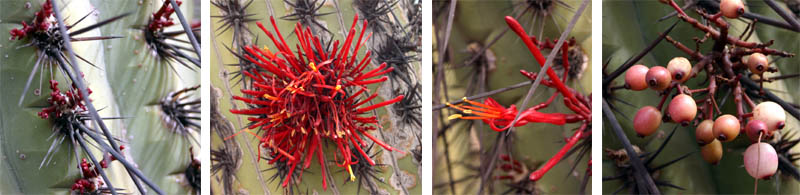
[495, 114]
[162, 17]
[38, 24]
[297, 100]
[63, 102]
[90, 182]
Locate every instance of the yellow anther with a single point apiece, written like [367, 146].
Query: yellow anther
[313, 67]
[464, 98]
[352, 177]
[338, 87]
[455, 116]
[269, 97]
[467, 111]
[269, 53]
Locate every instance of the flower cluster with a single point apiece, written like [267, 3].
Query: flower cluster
[61, 103]
[41, 22]
[300, 99]
[90, 180]
[494, 114]
[162, 17]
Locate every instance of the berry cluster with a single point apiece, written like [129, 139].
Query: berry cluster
[41, 22]
[90, 181]
[162, 17]
[727, 66]
[299, 99]
[62, 103]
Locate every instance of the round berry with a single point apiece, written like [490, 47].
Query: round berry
[760, 160]
[658, 78]
[731, 8]
[680, 68]
[705, 132]
[712, 152]
[726, 127]
[682, 109]
[635, 77]
[772, 114]
[757, 63]
[754, 128]
[647, 121]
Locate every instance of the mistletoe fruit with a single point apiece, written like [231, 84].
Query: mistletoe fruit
[756, 128]
[635, 77]
[726, 128]
[682, 109]
[299, 99]
[647, 121]
[772, 114]
[680, 68]
[658, 78]
[712, 152]
[731, 8]
[757, 63]
[760, 160]
[705, 132]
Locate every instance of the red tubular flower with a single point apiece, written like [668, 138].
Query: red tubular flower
[495, 115]
[570, 99]
[299, 99]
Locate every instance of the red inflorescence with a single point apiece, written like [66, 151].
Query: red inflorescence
[90, 180]
[63, 102]
[299, 99]
[162, 18]
[495, 115]
[40, 23]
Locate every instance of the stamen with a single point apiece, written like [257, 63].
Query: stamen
[455, 116]
[313, 67]
[350, 170]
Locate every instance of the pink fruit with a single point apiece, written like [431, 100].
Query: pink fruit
[635, 77]
[682, 109]
[731, 8]
[704, 133]
[726, 128]
[772, 114]
[754, 128]
[712, 152]
[680, 68]
[658, 78]
[760, 160]
[757, 63]
[647, 121]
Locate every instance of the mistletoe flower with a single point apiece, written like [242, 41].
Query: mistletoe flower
[495, 115]
[62, 103]
[301, 98]
[42, 22]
